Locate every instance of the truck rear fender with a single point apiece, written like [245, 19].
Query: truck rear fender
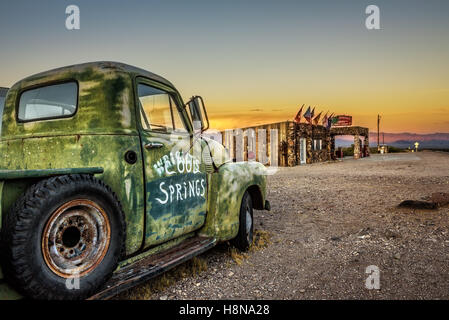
[14, 183]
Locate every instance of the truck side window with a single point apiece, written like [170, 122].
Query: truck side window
[49, 102]
[158, 110]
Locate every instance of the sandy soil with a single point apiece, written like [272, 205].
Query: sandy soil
[329, 222]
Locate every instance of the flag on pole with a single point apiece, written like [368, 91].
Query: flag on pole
[313, 113]
[324, 121]
[317, 118]
[329, 121]
[308, 115]
[298, 115]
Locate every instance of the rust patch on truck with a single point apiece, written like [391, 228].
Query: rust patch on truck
[76, 238]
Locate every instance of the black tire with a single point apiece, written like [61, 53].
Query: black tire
[244, 237]
[39, 257]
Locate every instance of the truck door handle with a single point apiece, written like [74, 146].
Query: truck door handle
[154, 145]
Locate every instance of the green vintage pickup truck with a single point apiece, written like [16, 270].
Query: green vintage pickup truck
[106, 181]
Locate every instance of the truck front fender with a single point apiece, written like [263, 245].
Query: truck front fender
[226, 189]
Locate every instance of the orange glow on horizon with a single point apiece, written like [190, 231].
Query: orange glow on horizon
[420, 111]
[416, 121]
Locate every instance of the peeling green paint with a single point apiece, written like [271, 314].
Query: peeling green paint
[105, 151]
[95, 140]
[98, 135]
[226, 189]
[175, 192]
[105, 98]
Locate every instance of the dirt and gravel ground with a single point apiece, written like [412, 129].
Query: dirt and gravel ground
[329, 222]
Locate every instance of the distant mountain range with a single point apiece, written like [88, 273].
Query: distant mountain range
[403, 140]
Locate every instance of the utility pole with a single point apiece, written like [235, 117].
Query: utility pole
[378, 132]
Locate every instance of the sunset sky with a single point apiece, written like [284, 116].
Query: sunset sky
[255, 62]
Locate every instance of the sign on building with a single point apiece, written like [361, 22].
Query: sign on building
[342, 121]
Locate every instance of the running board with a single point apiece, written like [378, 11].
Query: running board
[152, 266]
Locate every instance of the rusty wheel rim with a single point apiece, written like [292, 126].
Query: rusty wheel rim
[76, 238]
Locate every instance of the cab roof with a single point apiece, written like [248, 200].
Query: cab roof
[101, 65]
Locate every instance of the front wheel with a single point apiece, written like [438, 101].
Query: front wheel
[244, 237]
[64, 238]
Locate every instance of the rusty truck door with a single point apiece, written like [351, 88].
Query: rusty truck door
[175, 180]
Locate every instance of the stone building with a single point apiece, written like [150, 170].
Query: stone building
[288, 143]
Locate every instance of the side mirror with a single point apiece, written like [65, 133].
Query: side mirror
[198, 114]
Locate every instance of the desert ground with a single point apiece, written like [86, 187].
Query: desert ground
[328, 223]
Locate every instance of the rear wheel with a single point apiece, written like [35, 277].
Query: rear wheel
[64, 238]
[244, 237]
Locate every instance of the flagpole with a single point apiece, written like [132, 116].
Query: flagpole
[378, 132]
